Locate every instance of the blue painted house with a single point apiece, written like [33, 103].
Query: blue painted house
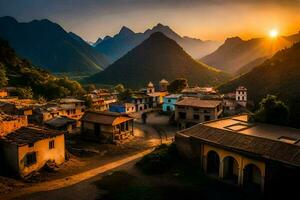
[169, 102]
[122, 107]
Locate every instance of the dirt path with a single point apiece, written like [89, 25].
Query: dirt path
[72, 180]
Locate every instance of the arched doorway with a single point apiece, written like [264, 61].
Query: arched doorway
[252, 177]
[213, 163]
[230, 169]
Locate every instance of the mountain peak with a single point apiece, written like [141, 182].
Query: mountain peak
[125, 31]
[233, 39]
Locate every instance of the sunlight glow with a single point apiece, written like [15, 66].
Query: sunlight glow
[273, 33]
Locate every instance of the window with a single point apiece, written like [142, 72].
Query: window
[197, 117]
[206, 118]
[196, 109]
[182, 115]
[168, 108]
[169, 100]
[51, 144]
[30, 159]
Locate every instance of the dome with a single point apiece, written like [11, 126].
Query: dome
[150, 84]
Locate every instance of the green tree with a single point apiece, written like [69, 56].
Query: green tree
[119, 88]
[123, 96]
[272, 111]
[23, 93]
[177, 85]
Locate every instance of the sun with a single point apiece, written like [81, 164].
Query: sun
[273, 33]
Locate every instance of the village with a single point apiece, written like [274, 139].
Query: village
[45, 141]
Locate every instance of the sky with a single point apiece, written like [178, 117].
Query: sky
[203, 19]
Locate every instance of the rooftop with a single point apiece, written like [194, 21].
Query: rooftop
[70, 100]
[197, 102]
[260, 140]
[30, 134]
[107, 118]
[173, 96]
[60, 121]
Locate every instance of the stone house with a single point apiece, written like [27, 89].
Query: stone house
[28, 149]
[106, 126]
[257, 156]
[192, 110]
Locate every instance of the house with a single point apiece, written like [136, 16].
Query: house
[3, 93]
[141, 101]
[28, 149]
[70, 107]
[170, 101]
[122, 107]
[241, 96]
[106, 126]
[9, 123]
[248, 154]
[16, 108]
[197, 91]
[62, 123]
[191, 110]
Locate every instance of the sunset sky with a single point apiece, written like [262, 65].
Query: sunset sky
[204, 19]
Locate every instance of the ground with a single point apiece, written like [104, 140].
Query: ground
[86, 156]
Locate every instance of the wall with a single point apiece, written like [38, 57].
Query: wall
[12, 125]
[43, 154]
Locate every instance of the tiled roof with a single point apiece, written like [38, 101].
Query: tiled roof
[107, 118]
[197, 102]
[30, 134]
[60, 121]
[259, 147]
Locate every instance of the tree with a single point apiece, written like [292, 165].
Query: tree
[23, 93]
[177, 85]
[123, 96]
[90, 87]
[272, 111]
[3, 78]
[119, 88]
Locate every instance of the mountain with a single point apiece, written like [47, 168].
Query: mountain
[20, 73]
[235, 52]
[249, 66]
[118, 45]
[48, 45]
[156, 58]
[278, 75]
[99, 40]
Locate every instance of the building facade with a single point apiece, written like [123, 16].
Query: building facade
[122, 108]
[28, 149]
[106, 127]
[257, 156]
[191, 110]
[170, 101]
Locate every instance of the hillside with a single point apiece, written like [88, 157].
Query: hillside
[118, 45]
[156, 58]
[236, 53]
[49, 46]
[17, 72]
[278, 75]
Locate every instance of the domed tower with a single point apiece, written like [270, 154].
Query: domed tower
[163, 84]
[150, 88]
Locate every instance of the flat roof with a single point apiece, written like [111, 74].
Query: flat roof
[237, 134]
[240, 124]
[29, 134]
[197, 102]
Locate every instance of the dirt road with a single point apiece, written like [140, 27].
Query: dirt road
[72, 180]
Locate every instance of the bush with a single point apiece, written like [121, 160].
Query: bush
[159, 161]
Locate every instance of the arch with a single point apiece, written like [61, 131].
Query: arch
[213, 163]
[230, 169]
[252, 177]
